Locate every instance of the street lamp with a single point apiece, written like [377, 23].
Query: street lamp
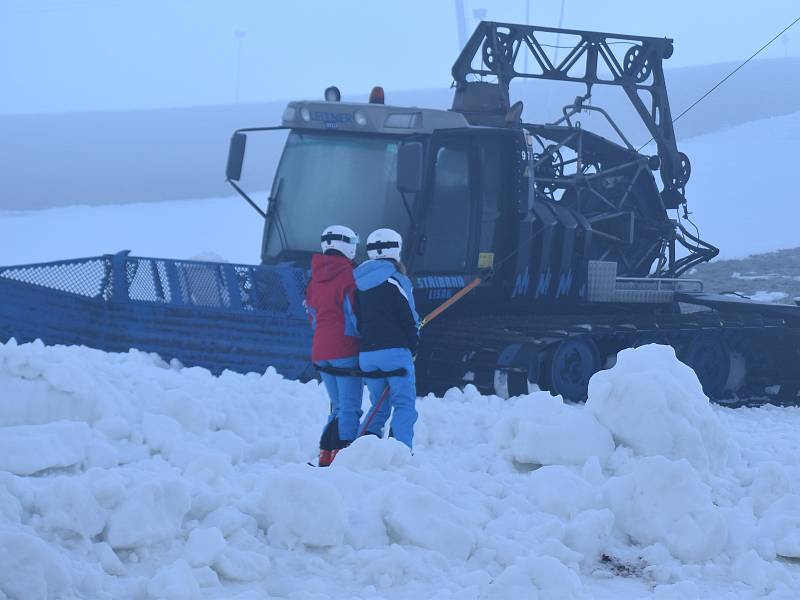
[239, 34]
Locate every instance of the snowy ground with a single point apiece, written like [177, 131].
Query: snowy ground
[124, 477]
[205, 229]
[741, 199]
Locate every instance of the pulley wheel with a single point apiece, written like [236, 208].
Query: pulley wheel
[636, 65]
[504, 50]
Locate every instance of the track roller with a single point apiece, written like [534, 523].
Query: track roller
[719, 370]
[569, 367]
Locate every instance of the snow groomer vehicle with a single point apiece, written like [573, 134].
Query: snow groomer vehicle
[580, 241]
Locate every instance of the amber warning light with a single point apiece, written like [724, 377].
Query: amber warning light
[376, 95]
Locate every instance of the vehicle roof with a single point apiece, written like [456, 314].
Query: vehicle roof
[369, 118]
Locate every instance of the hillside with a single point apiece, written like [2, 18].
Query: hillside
[170, 154]
[771, 276]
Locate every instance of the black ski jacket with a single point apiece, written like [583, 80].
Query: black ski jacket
[387, 317]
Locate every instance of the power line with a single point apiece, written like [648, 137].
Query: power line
[728, 76]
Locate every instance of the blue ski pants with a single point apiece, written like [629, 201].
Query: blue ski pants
[402, 395]
[345, 395]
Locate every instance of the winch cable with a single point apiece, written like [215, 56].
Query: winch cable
[728, 76]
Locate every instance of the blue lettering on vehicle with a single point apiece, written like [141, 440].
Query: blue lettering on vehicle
[439, 293]
[331, 119]
[521, 284]
[440, 281]
[544, 284]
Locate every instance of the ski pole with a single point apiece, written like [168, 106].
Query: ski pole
[427, 319]
[373, 411]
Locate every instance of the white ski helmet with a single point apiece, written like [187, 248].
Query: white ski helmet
[384, 243]
[341, 238]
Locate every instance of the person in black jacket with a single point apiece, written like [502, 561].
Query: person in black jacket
[387, 323]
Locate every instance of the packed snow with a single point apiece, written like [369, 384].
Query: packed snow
[122, 476]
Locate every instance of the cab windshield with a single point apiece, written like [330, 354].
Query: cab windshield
[333, 179]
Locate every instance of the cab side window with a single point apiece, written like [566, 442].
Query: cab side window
[447, 219]
[490, 192]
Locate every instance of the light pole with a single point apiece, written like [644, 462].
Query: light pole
[558, 35]
[527, 22]
[239, 34]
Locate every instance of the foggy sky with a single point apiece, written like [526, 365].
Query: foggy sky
[77, 55]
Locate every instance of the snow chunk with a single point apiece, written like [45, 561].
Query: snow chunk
[29, 568]
[548, 432]
[242, 565]
[204, 546]
[68, 505]
[781, 523]
[229, 520]
[160, 431]
[414, 515]
[561, 491]
[300, 509]
[152, 511]
[108, 559]
[28, 449]
[539, 577]
[174, 582]
[654, 404]
[370, 452]
[663, 501]
[589, 533]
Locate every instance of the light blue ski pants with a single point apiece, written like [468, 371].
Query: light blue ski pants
[345, 395]
[402, 394]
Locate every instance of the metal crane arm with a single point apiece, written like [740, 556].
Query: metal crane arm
[494, 49]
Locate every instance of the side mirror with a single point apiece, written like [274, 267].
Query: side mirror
[233, 171]
[409, 167]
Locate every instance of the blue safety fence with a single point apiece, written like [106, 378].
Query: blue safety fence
[215, 315]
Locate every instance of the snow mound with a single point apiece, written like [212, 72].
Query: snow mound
[654, 405]
[123, 476]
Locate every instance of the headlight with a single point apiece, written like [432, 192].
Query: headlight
[305, 114]
[290, 114]
[360, 118]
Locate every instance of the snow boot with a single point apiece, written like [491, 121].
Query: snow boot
[326, 457]
[336, 451]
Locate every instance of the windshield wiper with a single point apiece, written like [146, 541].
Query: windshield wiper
[273, 218]
[408, 210]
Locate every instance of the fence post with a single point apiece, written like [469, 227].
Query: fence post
[228, 273]
[120, 282]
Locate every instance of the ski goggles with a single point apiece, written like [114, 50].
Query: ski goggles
[340, 237]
